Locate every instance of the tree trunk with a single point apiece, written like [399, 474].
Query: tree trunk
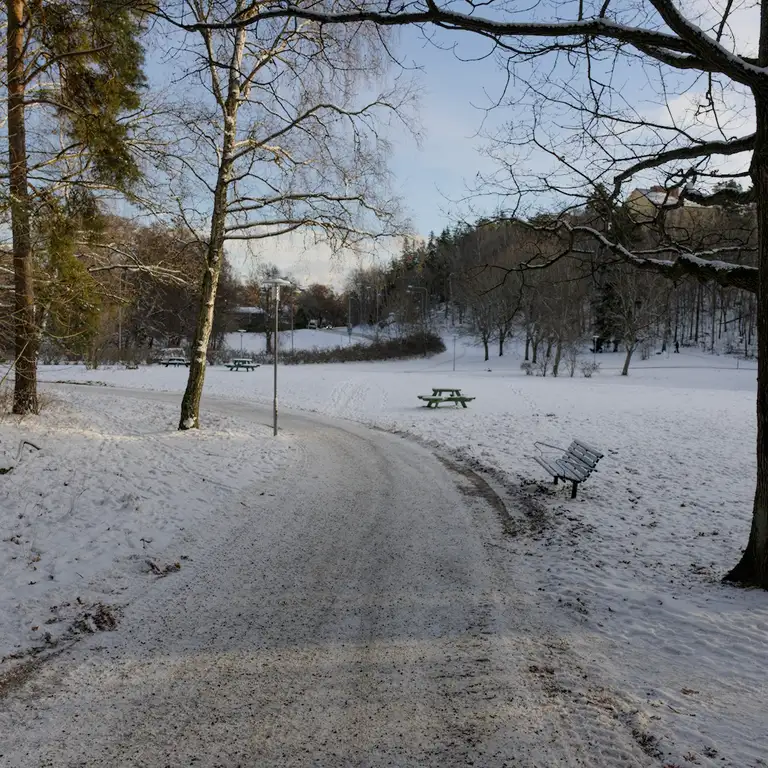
[502, 336]
[25, 331]
[752, 569]
[558, 355]
[527, 345]
[625, 369]
[190, 403]
[485, 347]
[698, 313]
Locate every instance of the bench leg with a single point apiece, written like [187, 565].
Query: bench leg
[573, 490]
[463, 404]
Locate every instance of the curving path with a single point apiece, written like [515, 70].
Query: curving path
[368, 615]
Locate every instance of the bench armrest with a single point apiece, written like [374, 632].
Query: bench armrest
[538, 445]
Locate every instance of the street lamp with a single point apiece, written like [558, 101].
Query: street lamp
[241, 332]
[349, 314]
[425, 300]
[276, 283]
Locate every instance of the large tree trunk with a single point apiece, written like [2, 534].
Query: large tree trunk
[752, 569]
[485, 347]
[26, 343]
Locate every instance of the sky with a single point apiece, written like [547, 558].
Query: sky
[432, 176]
[435, 177]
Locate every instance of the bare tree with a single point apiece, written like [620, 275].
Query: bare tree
[637, 302]
[656, 38]
[283, 132]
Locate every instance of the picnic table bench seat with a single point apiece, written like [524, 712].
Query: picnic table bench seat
[434, 400]
[575, 465]
[241, 364]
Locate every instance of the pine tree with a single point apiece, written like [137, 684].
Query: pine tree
[79, 65]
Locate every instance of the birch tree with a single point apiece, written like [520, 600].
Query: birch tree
[284, 136]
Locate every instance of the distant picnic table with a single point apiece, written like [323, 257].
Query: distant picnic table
[445, 395]
[175, 361]
[242, 365]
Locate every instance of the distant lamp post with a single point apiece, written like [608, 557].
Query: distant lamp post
[241, 332]
[275, 284]
[425, 301]
[349, 314]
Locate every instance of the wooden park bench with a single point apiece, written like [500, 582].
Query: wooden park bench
[243, 365]
[175, 361]
[575, 465]
[445, 395]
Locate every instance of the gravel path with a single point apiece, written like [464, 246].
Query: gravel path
[367, 615]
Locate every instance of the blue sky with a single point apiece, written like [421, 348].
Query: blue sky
[432, 179]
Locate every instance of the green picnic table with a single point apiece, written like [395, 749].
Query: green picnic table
[445, 395]
[242, 365]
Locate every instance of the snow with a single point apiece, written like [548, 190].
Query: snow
[113, 484]
[629, 571]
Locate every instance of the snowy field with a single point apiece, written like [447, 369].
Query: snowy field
[629, 571]
[113, 485]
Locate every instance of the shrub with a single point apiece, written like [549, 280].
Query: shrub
[414, 345]
[527, 366]
[588, 368]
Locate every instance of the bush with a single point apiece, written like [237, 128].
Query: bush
[527, 366]
[414, 345]
[588, 368]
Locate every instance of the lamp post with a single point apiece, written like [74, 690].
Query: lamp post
[241, 332]
[275, 283]
[349, 314]
[425, 300]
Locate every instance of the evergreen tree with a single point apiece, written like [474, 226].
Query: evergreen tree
[79, 65]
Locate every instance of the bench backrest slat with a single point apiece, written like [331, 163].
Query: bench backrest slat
[587, 448]
[579, 452]
[576, 467]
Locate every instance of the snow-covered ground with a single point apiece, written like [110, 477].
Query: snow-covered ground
[112, 486]
[630, 569]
